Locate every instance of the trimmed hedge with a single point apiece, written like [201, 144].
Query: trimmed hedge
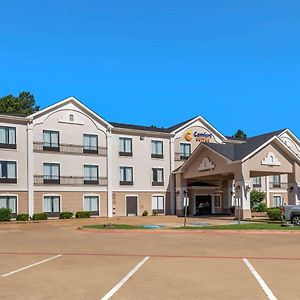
[40, 216]
[5, 214]
[145, 213]
[274, 214]
[82, 214]
[22, 217]
[66, 215]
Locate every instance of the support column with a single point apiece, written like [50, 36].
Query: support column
[294, 186]
[30, 167]
[181, 188]
[172, 178]
[109, 175]
[267, 183]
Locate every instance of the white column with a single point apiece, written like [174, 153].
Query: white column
[109, 175]
[172, 179]
[268, 191]
[30, 168]
[242, 190]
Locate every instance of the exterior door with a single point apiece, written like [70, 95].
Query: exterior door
[131, 205]
[203, 205]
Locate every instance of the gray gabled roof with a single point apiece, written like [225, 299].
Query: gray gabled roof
[236, 152]
[139, 127]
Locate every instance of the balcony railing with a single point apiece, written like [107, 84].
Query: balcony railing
[181, 156]
[69, 149]
[68, 180]
[278, 185]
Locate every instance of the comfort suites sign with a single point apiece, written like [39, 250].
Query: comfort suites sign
[198, 136]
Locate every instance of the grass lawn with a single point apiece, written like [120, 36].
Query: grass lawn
[116, 226]
[249, 226]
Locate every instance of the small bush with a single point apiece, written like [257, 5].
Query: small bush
[262, 207]
[66, 215]
[274, 214]
[40, 216]
[22, 217]
[82, 214]
[154, 213]
[5, 214]
[145, 213]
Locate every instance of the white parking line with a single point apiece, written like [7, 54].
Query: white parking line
[263, 285]
[35, 264]
[123, 280]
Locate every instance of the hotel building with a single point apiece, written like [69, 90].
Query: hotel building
[67, 158]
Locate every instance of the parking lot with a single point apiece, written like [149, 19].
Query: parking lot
[58, 261]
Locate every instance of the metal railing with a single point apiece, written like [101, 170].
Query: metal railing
[278, 185]
[68, 180]
[181, 156]
[69, 148]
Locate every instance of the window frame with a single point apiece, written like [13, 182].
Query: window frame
[13, 214]
[183, 155]
[52, 213]
[93, 212]
[255, 184]
[125, 153]
[91, 181]
[89, 150]
[276, 183]
[8, 179]
[158, 210]
[8, 144]
[51, 147]
[157, 155]
[125, 182]
[51, 180]
[273, 200]
[157, 183]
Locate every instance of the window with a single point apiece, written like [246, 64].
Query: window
[277, 201]
[90, 143]
[8, 172]
[51, 205]
[217, 200]
[91, 204]
[276, 181]
[257, 182]
[51, 173]
[91, 174]
[125, 146]
[158, 204]
[50, 140]
[126, 176]
[9, 202]
[157, 149]
[185, 150]
[157, 177]
[8, 137]
[71, 118]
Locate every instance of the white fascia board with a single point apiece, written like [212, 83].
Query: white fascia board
[206, 123]
[67, 100]
[290, 133]
[288, 149]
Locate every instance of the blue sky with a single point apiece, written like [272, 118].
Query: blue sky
[236, 63]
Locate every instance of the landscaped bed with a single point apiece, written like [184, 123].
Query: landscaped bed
[122, 226]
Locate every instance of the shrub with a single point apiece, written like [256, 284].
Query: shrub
[66, 215]
[145, 213]
[82, 214]
[5, 214]
[274, 214]
[154, 213]
[40, 216]
[22, 217]
[256, 199]
[262, 207]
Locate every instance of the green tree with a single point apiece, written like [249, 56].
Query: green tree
[240, 134]
[22, 105]
[257, 200]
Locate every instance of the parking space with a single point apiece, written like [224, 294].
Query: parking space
[65, 263]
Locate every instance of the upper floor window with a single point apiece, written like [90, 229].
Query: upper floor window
[257, 182]
[91, 174]
[157, 177]
[90, 143]
[8, 172]
[50, 140]
[157, 149]
[51, 173]
[125, 146]
[7, 137]
[185, 150]
[9, 202]
[276, 181]
[126, 176]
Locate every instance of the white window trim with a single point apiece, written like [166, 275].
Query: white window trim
[277, 195]
[159, 195]
[53, 195]
[99, 202]
[12, 195]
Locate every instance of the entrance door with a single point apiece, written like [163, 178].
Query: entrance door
[131, 205]
[203, 205]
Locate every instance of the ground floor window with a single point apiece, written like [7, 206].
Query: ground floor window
[52, 205]
[91, 203]
[277, 202]
[9, 202]
[158, 204]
